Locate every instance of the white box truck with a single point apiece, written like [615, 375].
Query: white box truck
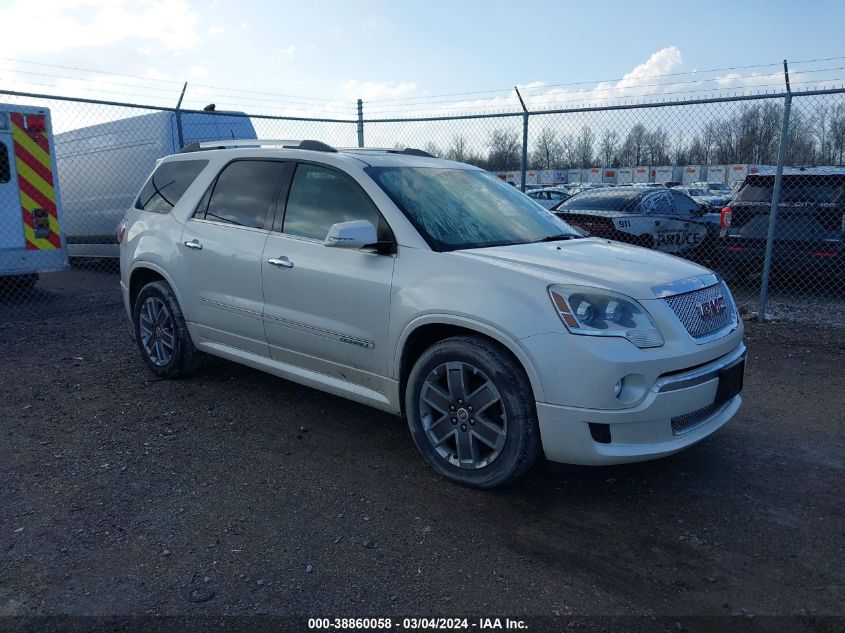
[102, 168]
[32, 239]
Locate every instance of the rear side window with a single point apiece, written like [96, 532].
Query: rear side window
[5, 168]
[321, 197]
[245, 193]
[795, 190]
[683, 204]
[168, 184]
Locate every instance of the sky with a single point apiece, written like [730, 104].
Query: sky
[413, 57]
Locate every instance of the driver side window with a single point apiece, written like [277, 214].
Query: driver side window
[320, 197]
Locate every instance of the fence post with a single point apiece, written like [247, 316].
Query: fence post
[773, 216]
[524, 165]
[179, 134]
[360, 123]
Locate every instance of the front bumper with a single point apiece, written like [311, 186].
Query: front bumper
[677, 412]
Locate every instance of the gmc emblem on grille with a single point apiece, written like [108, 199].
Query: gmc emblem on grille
[712, 307]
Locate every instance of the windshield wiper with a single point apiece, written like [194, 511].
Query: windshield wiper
[556, 238]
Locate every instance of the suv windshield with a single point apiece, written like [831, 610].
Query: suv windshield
[455, 209]
[796, 189]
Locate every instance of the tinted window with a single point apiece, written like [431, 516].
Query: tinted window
[684, 205]
[168, 184]
[245, 193]
[319, 198]
[554, 195]
[5, 168]
[459, 208]
[601, 200]
[795, 189]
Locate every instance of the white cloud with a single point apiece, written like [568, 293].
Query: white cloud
[62, 25]
[287, 52]
[367, 90]
[215, 30]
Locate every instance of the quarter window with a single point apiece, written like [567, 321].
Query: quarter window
[5, 167]
[321, 197]
[245, 193]
[168, 184]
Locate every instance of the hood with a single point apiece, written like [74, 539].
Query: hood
[596, 262]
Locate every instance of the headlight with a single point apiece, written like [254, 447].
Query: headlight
[596, 312]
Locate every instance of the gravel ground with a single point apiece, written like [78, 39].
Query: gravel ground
[237, 493]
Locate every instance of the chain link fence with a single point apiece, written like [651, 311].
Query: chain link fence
[751, 186]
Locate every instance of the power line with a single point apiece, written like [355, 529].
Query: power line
[596, 81]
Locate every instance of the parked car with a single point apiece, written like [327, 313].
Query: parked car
[705, 198]
[429, 289]
[715, 188]
[548, 196]
[810, 228]
[664, 219]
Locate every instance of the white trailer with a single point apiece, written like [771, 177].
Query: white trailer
[693, 173]
[573, 176]
[624, 175]
[608, 175]
[717, 173]
[642, 174]
[592, 175]
[32, 239]
[667, 173]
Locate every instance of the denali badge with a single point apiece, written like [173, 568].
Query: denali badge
[712, 307]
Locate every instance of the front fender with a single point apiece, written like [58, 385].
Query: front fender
[476, 325]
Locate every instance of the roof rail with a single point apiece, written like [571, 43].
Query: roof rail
[410, 151]
[315, 146]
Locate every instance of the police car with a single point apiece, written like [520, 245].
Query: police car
[663, 219]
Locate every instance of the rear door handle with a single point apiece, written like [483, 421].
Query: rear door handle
[194, 244]
[281, 262]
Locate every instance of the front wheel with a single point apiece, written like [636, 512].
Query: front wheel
[471, 412]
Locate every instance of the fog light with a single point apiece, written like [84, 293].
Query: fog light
[617, 388]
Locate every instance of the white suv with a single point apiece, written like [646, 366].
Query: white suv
[429, 289]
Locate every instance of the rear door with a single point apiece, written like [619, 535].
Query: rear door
[11, 220]
[221, 254]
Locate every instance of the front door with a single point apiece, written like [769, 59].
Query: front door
[327, 309]
[221, 255]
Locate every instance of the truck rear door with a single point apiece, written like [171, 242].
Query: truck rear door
[11, 221]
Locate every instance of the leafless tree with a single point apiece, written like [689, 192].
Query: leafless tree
[504, 150]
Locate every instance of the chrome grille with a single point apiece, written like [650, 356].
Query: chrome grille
[685, 307]
[690, 421]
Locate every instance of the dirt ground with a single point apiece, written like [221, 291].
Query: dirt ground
[236, 493]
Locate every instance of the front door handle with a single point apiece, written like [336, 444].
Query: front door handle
[281, 262]
[194, 244]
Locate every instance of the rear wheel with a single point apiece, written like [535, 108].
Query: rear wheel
[161, 332]
[471, 412]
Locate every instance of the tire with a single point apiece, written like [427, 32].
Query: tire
[505, 413]
[161, 332]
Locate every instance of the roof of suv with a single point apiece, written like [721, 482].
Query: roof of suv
[374, 157]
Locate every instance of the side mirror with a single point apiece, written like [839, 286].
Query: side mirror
[353, 234]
